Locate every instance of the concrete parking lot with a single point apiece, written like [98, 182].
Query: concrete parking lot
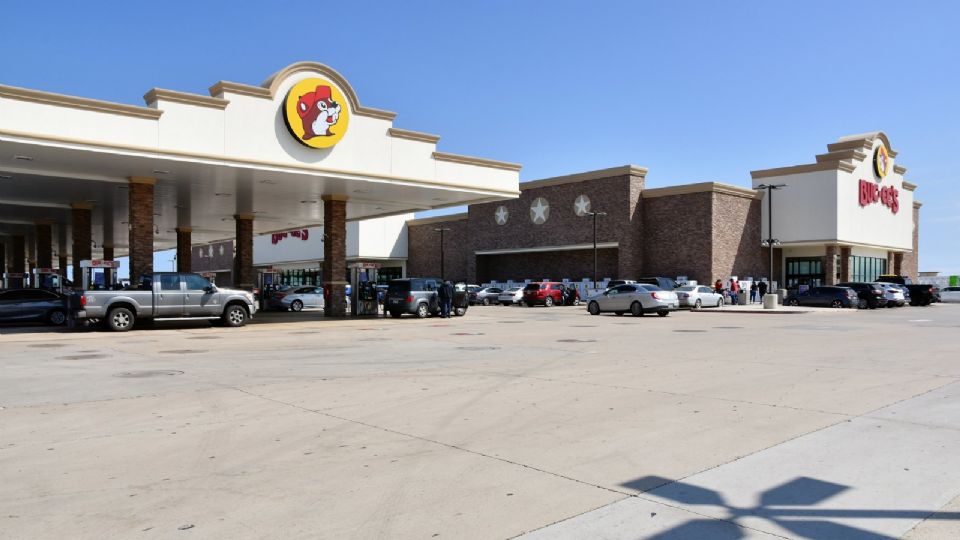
[509, 421]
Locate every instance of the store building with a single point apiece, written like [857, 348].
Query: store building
[841, 218]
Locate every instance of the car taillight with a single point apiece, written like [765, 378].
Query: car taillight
[410, 299]
[279, 295]
[83, 301]
[655, 295]
[875, 291]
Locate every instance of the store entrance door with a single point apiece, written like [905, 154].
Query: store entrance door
[805, 272]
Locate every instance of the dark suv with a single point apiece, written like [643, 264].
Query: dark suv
[418, 296]
[827, 296]
[664, 283]
[868, 295]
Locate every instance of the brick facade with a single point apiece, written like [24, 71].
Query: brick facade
[702, 231]
[140, 220]
[335, 255]
[80, 225]
[830, 266]
[184, 252]
[243, 258]
[911, 262]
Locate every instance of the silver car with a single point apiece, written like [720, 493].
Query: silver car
[698, 296]
[297, 298]
[638, 299]
[511, 296]
[892, 293]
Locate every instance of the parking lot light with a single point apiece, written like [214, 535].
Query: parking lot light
[594, 214]
[770, 241]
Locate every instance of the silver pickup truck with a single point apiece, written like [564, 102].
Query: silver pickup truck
[166, 296]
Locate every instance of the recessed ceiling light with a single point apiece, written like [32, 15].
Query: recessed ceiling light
[223, 194]
[23, 158]
[267, 182]
[440, 199]
[160, 171]
[309, 202]
[378, 208]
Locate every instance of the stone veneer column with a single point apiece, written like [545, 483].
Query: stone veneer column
[184, 253]
[140, 223]
[890, 262]
[18, 260]
[845, 253]
[830, 266]
[108, 272]
[898, 265]
[335, 254]
[44, 245]
[243, 258]
[82, 236]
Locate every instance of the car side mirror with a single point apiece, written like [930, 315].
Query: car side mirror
[210, 289]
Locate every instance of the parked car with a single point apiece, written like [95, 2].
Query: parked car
[826, 296]
[869, 295]
[893, 294]
[664, 283]
[920, 294]
[635, 298]
[166, 296]
[950, 294]
[512, 296]
[418, 296]
[486, 296]
[615, 282]
[297, 298]
[548, 293]
[33, 305]
[698, 296]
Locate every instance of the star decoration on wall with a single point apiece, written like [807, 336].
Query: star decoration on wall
[582, 205]
[501, 215]
[539, 211]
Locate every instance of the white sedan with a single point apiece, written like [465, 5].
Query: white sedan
[512, 296]
[698, 296]
[950, 294]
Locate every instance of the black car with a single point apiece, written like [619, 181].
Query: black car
[664, 283]
[920, 294]
[868, 295]
[33, 305]
[836, 297]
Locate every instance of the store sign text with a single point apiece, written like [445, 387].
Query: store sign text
[302, 234]
[871, 193]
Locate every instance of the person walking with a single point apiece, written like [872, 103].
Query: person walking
[718, 287]
[734, 291]
[753, 292]
[762, 289]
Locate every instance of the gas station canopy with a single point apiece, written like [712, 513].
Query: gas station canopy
[273, 152]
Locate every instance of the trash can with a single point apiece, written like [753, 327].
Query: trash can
[769, 301]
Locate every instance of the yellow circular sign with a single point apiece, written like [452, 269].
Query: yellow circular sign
[316, 113]
[881, 161]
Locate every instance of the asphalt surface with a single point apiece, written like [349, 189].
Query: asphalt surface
[509, 421]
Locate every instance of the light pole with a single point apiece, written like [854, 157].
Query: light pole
[441, 230]
[770, 241]
[594, 214]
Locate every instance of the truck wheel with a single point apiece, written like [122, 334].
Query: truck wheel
[235, 316]
[120, 319]
[422, 311]
[56, 317]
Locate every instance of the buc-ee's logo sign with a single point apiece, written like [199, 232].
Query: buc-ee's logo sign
[871, 192]
[315, 114]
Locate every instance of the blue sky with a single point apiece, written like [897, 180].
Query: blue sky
[695, 91]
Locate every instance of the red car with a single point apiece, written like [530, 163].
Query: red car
[548, 293]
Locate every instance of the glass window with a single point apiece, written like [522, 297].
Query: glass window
[169, 282]
[624, 288]
[195, 282]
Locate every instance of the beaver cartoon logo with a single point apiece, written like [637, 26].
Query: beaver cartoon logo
[315, 114]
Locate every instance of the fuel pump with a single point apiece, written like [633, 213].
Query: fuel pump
[47, 278]
[363, 288]
[13, 280]
[268, 280]
[91, 278]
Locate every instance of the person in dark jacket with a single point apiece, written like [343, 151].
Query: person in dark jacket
[762, 289]
[445, 295]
